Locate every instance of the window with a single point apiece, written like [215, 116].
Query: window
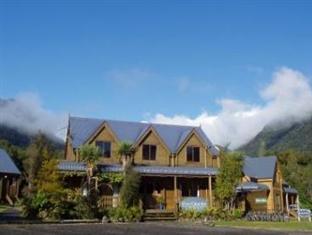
[104, 147]
[192, 154]
[149, 152]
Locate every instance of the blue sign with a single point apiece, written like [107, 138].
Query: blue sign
[194, 203]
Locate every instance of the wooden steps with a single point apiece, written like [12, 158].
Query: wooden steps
[293, 213]
[158, 215]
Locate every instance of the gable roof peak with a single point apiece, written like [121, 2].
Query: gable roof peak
[172, 135]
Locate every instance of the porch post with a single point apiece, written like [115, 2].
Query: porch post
[210, 191]
[207, 199]
[18, 181]
[115, 200]
[1, 186]
[175, 192]
[7, 187]
[287, 206]
[206, 158]
[298, 206]
[7, 192]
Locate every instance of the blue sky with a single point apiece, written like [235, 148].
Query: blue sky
[132, 60]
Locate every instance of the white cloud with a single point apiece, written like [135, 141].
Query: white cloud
[26, 113]
[287, 98]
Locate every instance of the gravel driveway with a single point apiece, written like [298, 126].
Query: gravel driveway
[129, 229]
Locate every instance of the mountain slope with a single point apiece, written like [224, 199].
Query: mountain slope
[22, 139]
[297, 136]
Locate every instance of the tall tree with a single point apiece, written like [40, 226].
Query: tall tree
[39, 150]
[229, 177]
[48, 178]
[297, 171]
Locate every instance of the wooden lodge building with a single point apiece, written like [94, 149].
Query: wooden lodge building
[175, 163]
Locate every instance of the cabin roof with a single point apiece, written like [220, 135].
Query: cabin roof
[251, 186]
[7, 165]
[260, 167]
[290, 190]
[81, 129]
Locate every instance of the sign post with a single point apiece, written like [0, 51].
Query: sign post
[304, 213]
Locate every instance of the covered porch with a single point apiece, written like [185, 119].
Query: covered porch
[162, 188]
[252, 196]
[291, 200]
[169, 192]
[165, 188]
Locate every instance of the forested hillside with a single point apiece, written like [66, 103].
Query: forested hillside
[297, 136]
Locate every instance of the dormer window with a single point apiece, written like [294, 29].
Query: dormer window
[104, 148]
[192, 154]
[149, 152]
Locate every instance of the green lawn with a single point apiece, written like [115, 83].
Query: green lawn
[292, 225]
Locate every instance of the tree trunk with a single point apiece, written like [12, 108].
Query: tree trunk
[124, 162]
[89, 176]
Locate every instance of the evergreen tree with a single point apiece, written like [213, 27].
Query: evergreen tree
[39, 150]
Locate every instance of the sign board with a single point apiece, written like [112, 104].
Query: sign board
[261, 200]
[194, 203]
[304, 213]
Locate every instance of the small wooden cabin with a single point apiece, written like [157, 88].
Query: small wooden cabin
[9, 178]
[263, 188]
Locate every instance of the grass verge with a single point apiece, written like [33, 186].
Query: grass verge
[291, 225]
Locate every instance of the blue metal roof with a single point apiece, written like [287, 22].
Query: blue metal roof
[82, 128]
[149, 170]
[260, 167]
[164, 170]
[251, 186]
[211, 147]
[126, 131]
[6, 164]
[290, 190]
[173, 135]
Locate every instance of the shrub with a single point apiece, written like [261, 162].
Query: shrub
[237, 213]
[79, 206]
[66, 204]
[31, 205]
[212, 214]
[111, 178]
[192, 214]
[122, 214]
